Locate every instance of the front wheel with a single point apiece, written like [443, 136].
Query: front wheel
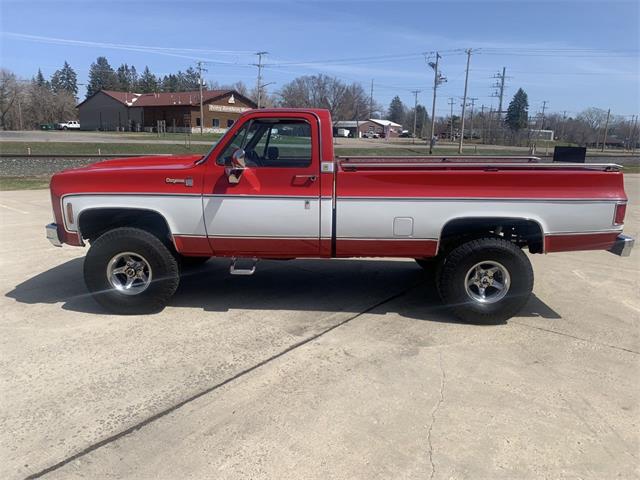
[487, 280]
[130, 271]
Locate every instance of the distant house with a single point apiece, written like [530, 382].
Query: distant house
[375, 125]
[180, 111]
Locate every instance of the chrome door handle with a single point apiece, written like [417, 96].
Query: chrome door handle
[311, 178]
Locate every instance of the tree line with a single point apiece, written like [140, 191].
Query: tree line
[27, 104]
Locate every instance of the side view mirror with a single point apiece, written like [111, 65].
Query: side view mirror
[238, 164]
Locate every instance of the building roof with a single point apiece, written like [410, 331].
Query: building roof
[167, 99]
[385, 123]
[349, 123]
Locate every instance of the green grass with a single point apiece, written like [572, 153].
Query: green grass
[148, 146]
[150, 137]
[23, 183]
[418, 150]
[78, 148]
[631, 169]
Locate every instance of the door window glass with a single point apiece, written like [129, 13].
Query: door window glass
[272, 143]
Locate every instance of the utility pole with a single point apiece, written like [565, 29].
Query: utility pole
[415, 114]
[437, 80]
[502, 77]
[499, 92]
[564, 120]
[464, 99]
[371, 101]
[606, 130]
[473, 104]
[259, 83]
[201, 81]
[482, 128]
[544, 107]
[451, 100]
[633, 135]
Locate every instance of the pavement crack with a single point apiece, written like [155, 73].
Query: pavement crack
[434, 411]
[548, 330]
[242, 373]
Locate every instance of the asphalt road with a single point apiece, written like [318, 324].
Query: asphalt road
[315, 369]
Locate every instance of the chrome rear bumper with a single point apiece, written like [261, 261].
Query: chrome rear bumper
[623, 245]
[52, 234]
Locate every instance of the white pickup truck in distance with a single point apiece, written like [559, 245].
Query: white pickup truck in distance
[70, 125]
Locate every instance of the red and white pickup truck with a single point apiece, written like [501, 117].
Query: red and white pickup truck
[273, 188]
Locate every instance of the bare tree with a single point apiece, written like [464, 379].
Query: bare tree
[9, 91]
[344, 102]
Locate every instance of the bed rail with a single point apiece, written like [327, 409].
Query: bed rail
[352, 163]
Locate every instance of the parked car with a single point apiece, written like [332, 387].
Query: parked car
[70, 125]
[405, 134]
[370, 134]
[342, 132]
[253, 196]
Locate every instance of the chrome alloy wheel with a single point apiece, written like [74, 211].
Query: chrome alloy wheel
[487, 282]
[129, 273]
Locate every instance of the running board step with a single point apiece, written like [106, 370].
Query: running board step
[239, 266]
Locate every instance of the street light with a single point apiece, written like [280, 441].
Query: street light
[260, 87]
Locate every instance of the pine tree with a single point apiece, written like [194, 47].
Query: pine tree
[148, 82]
[101, 77]
[396, 110]
[517, 116]
[188, 80]
[170, 83]
[65, 80]
[40, 81]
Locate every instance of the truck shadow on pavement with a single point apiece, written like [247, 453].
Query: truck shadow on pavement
[295, 285]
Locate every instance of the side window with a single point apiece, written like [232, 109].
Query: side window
[272, 143]
[215, 122]
[286, 144]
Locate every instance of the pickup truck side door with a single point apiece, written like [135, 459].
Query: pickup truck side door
[274, 209]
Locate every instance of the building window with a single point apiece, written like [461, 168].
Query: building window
[229, 123]
[215, 122]
[197, 121]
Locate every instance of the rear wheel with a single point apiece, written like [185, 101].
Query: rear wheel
[487, 280]
[130, 271]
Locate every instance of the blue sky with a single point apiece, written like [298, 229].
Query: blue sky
[572, 54]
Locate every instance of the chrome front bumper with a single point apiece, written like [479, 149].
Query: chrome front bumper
[623, 245]
[52, 234]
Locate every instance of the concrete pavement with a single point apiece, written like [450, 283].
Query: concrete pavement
[315, 369]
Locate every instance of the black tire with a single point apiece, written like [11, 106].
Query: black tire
[164, 280]
[452, 278]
